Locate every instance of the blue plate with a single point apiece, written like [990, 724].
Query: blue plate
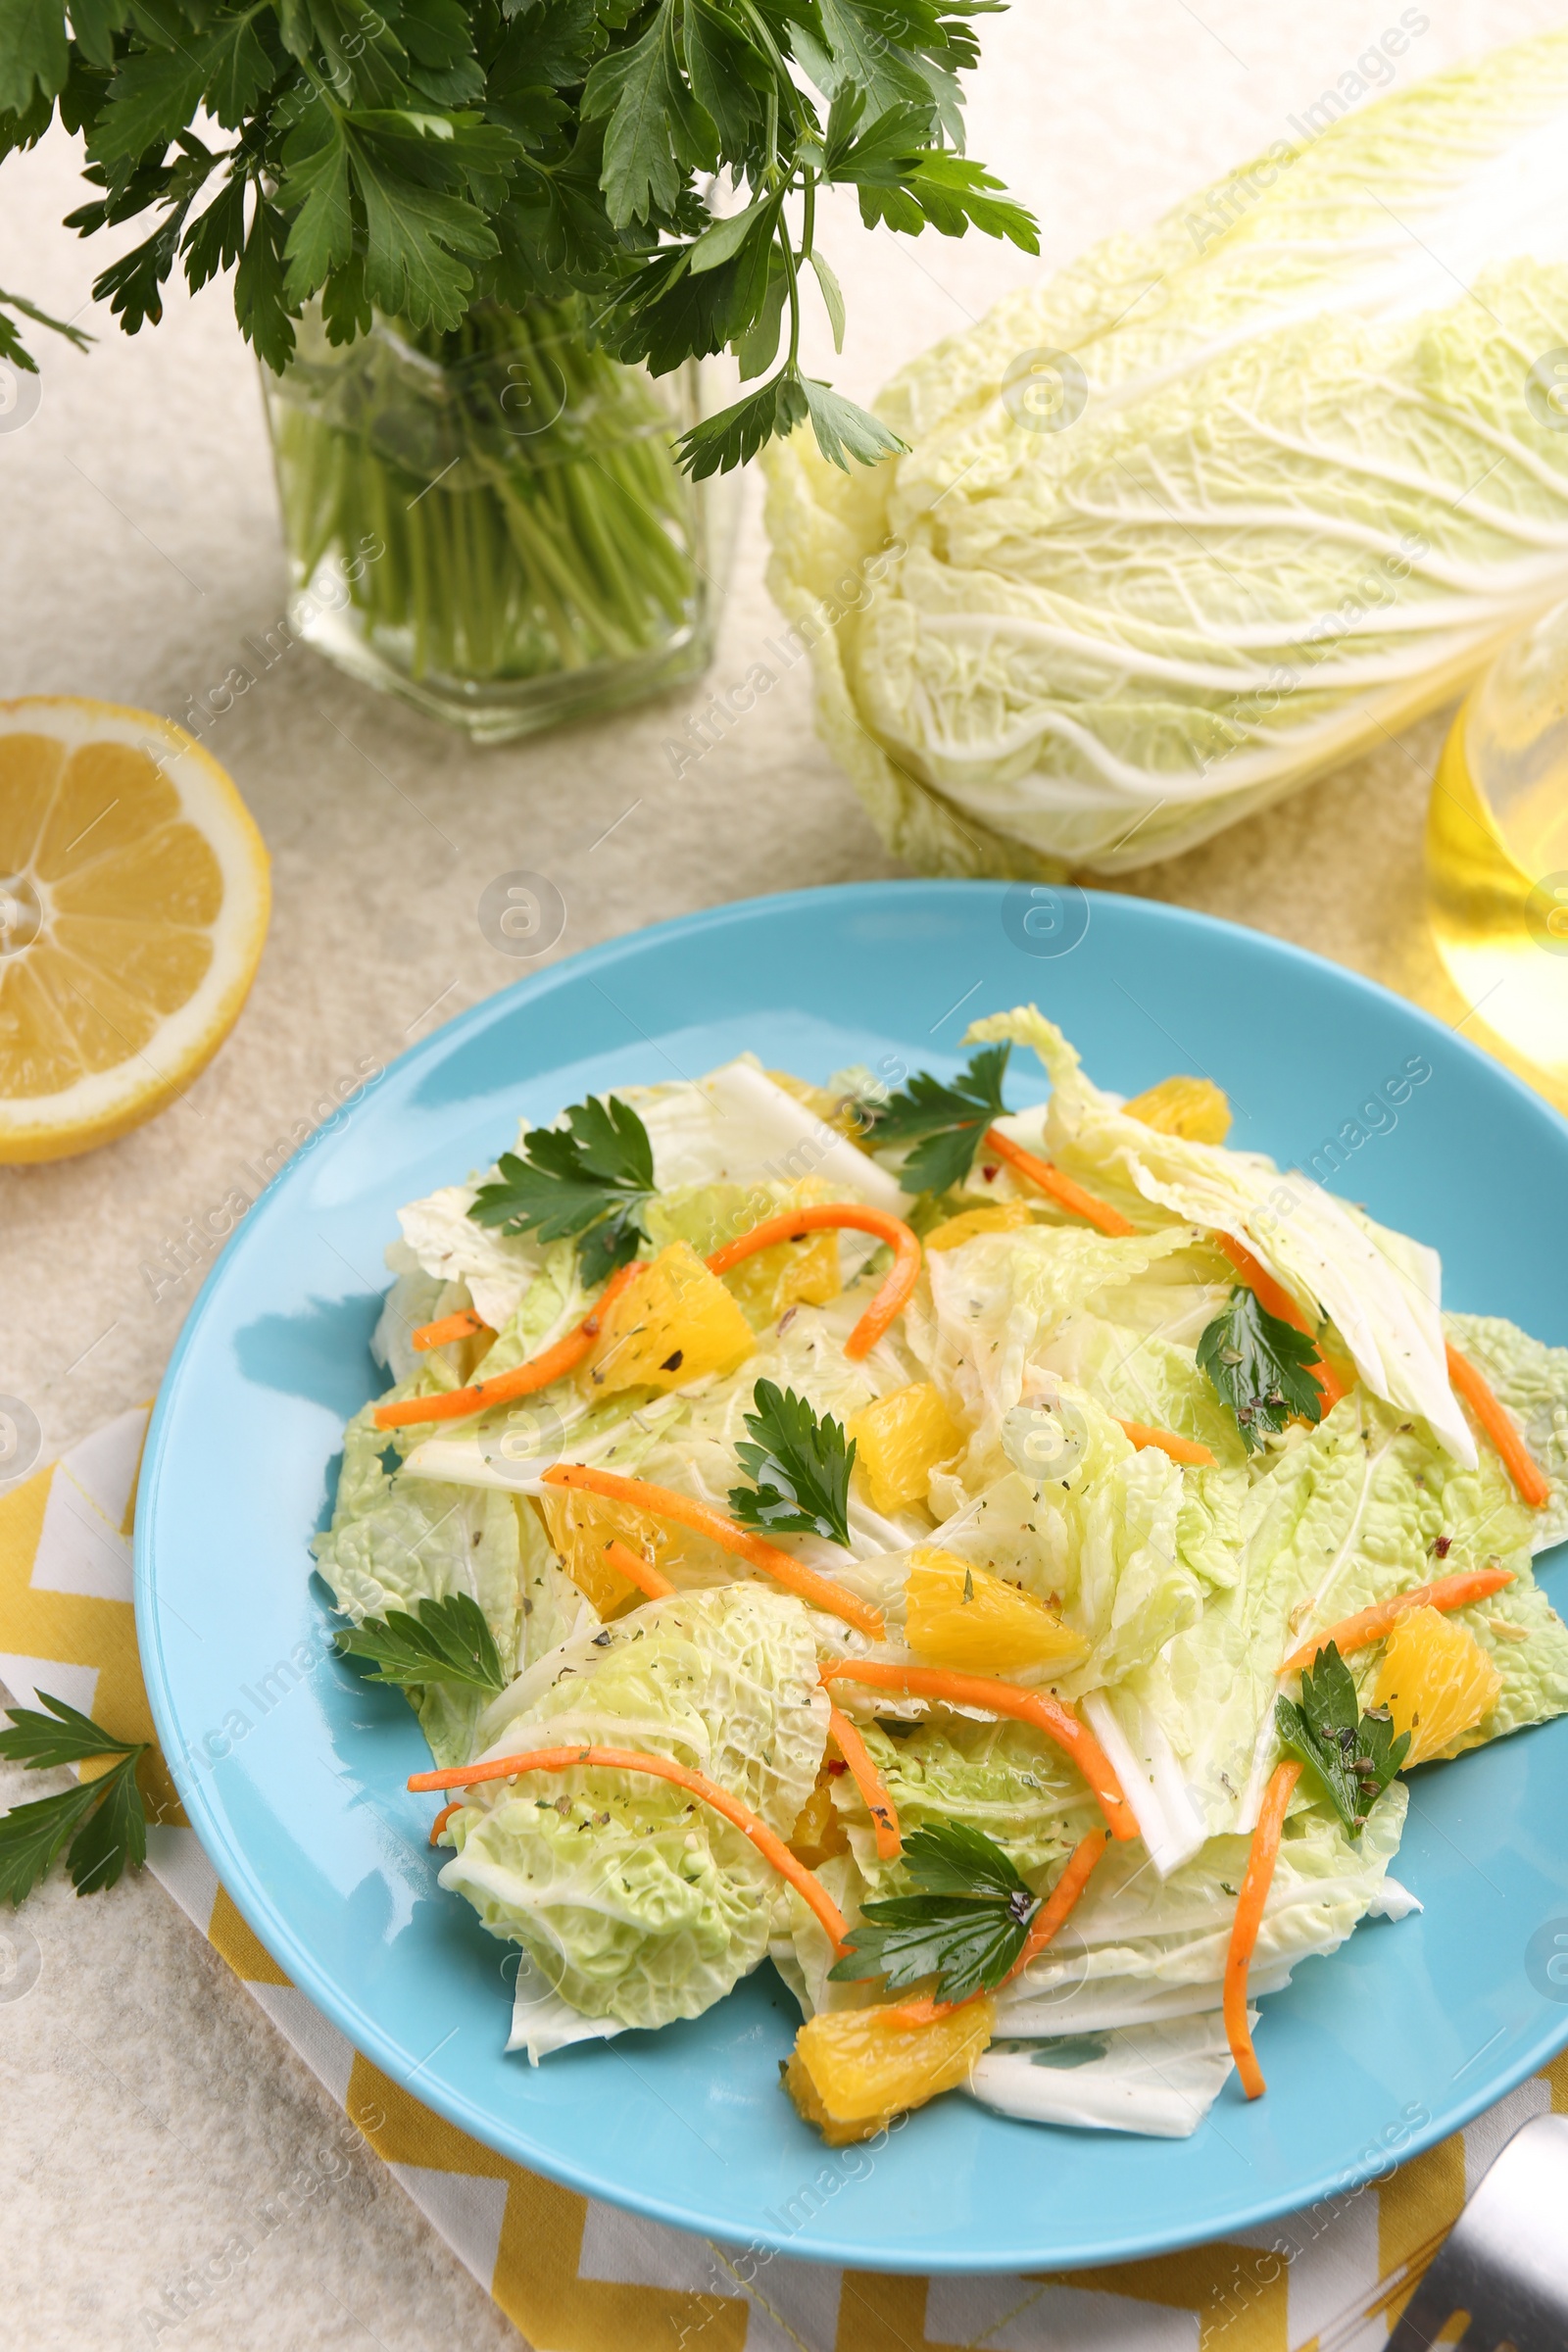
[292, 1769]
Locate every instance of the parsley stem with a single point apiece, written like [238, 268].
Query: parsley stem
[496, 503]
[792, 365]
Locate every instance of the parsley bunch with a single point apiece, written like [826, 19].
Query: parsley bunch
[418, 157]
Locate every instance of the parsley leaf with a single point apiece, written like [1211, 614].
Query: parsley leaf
[101, 1819]
[447, 1641]
[802, 1467]
[1356, 1756]
[1258, 1365]
[966, 1927]
[946, 1121]
[589, 1179]
[434, 158]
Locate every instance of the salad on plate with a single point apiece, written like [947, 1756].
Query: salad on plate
[997, 1565]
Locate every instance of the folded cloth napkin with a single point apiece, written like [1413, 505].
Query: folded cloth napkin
[576, 2275]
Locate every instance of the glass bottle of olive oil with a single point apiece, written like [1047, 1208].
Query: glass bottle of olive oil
[1498, 847]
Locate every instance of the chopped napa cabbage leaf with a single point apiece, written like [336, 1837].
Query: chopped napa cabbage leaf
[634, 1900]
[1003, 1778]
[738, 1126]
[1532, 1380]
[998, 1300]
[442, 1237]
[1251, 542]
[415, 1298]
[396, 1540]
[1104, 1549]
[1161, 2079]
[543, 2021]
[1361, 1508]
[1141, 1947]
[1380, 1289]
[723, 1681]
[1145, 1376]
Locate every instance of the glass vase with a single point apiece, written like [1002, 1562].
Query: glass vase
[491, 522]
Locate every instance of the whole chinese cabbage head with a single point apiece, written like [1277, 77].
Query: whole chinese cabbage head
[1215, 507]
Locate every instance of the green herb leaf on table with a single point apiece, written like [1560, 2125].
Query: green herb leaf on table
[944, 1119]
[588, 1180]
[966, 1927]
[801, 1465]
[448, 1641]
[1258, 1366]
[1354, 1756]
[102, 1820]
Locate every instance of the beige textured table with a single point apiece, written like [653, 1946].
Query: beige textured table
[147, 2111]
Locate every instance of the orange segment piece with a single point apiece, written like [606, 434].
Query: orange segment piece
[1437, 1681]
[818, 1834]
[671, 1324]
[962, 1616]
[133, 904]
[899, 1441]
[799, 1273]
[1195, 1108]
[583, 1526]
[996, 1216]
[853, 2069]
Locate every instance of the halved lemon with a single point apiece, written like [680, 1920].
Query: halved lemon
[133, 904]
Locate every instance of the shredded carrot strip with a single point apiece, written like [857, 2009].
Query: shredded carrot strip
[1260, 1860]
[1501, 1428]
[821, 1591]
[1370, 1624]
[870, 1782]
[443, 1817]
[638, 1571]
[793, 1224]
[463, 1325]
[1047, 1714]
[521, 1381]
[1275, 1300]
[767, 1842]
[1060, 1188]
[1180, 1449]
[1062, 1898]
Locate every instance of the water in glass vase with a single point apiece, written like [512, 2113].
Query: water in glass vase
[491, 522]
[1498, 847]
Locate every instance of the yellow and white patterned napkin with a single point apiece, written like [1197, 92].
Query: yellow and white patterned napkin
[576, 2276]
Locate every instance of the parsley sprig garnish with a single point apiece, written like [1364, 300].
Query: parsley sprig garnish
[801, 1465]
[446, 1640]
[1258, 1365]
[944, 1119]
[103, 1819]
[1354, 1756]
[966, 1927]
[589, 1178]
